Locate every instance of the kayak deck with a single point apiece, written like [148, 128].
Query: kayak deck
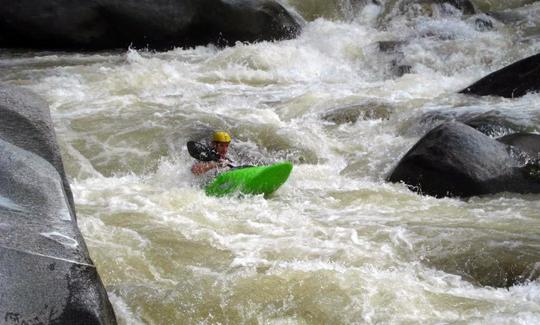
[250, 180]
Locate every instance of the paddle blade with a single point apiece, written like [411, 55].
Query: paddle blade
[201, 152]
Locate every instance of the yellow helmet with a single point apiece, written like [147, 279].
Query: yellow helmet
[221, 136]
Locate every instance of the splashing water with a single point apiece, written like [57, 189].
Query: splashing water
[336, 244]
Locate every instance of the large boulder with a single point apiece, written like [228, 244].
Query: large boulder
[515, 80]
[156, 24]
[46, 274]
[454, 159]
[26, 123]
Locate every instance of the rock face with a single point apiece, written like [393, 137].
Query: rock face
[512, 81]
[46, 274]
[156, 24]
[26, 122]
[526, 142]
[454, 159]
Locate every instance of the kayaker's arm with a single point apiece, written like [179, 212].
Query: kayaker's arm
[202, 167]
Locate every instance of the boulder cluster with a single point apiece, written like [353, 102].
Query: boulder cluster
[457, 159]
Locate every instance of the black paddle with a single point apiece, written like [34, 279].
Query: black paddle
[202, 152]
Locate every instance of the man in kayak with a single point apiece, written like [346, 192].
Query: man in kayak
[220, 144]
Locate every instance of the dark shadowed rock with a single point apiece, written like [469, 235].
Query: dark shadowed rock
[391, 46]
[512, 81]
[157, 24]
[483, 23]
[399, 69]
[46, 274]
[456, 160]
[527, 143]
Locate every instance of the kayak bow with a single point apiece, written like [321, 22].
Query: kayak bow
[250, 180]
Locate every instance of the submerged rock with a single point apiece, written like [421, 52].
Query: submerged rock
[416, 8]
[353, 113]
[454, 159]
[494, 123]
[512, 81]
[397, 64]
[391, 46]
[159, 24]
[331, 9]
[527, 143]
[46, 273]
[486, 264]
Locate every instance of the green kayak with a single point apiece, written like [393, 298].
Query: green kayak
[250, 180]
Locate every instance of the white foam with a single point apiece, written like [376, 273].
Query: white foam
[123, 121]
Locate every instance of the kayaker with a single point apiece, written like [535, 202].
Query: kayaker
[220, 144]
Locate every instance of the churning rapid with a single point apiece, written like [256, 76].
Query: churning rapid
[344, 101]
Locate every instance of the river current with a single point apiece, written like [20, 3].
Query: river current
[336, 244]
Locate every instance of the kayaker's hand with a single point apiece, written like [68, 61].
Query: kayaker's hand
[223, 163]
[202, 167]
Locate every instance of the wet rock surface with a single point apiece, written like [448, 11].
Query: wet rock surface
[46, 273]
[454, 159]
[488, 263]
[361, 111]
[161, 25]
[512, 81]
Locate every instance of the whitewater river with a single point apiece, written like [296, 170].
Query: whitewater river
[336, 244]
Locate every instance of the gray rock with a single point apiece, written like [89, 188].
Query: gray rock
[494, 123]
[454, 159]
[156, 24]
[391, 46]
[362, 111]
[485, 264]
[26, 123]
[46, 274]
[397, 62]
[528, 143]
